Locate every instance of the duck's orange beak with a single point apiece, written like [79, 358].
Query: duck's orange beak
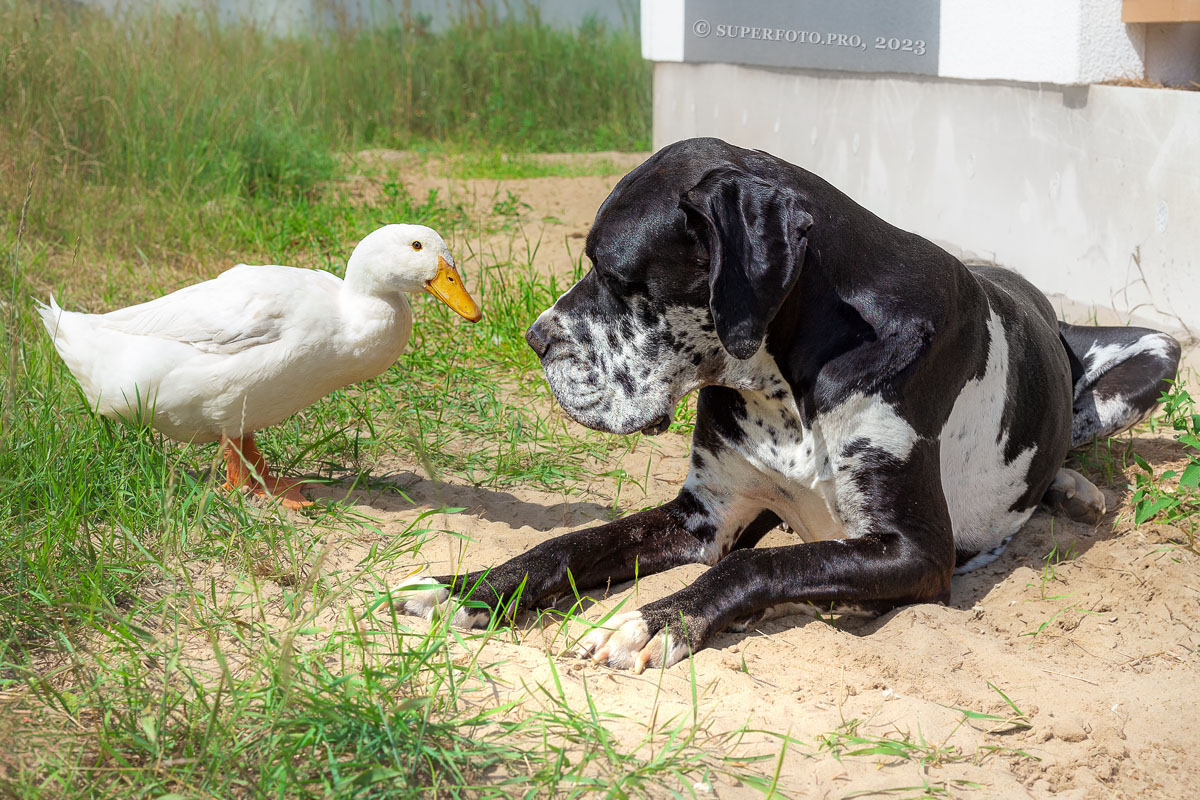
[447, 286]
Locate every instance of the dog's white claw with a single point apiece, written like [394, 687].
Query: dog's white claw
[624, 642]
[419, 595]
[616, 641]
[652, 653]
[422, 596]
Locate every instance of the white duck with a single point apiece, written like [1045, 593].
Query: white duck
[224, 358]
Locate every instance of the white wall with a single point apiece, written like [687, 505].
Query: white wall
[1049, 41]
[1091, 192]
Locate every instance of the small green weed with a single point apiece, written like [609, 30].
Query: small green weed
[1107, 457]
[1062, 613]
[849, 740]
[1049, 576]
[1018, 719]
[1155, 500]
[1051, 560]
[622, 477]
[927, 790]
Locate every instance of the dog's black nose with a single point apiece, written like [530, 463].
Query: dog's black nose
[537, 338]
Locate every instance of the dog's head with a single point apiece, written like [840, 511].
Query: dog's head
[692, 256]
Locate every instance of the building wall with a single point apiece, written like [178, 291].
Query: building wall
[1049, 41]
[1038, 41]
[1092, 192]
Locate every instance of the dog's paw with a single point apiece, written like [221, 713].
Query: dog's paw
[1075, 496]
[428, 597]
[627, 641]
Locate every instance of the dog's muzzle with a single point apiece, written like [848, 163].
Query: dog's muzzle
[585, 387]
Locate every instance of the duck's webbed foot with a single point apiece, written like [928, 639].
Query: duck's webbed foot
[285, 490]
[245, 466]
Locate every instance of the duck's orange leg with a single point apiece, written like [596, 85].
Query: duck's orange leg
[244, 465]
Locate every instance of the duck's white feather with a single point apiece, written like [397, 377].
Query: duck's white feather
[270, 294]
[234, 354]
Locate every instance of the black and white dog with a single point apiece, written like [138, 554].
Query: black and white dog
[904, 413]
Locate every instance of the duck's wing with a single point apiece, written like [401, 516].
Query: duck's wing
[243, 307]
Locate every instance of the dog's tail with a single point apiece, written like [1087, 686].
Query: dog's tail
[1118, 375]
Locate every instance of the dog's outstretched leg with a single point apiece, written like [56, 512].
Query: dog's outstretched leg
[683, 531]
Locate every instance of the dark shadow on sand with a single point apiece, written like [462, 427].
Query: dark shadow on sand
[401, 491]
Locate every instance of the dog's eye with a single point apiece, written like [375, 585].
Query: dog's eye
[611, 281]
[614, 284]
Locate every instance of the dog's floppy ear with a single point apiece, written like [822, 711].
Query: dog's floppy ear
[756, 235]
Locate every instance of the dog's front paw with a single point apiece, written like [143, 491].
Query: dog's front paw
[429, 597]
[631, 641]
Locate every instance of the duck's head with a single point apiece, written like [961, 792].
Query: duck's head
[409, 258]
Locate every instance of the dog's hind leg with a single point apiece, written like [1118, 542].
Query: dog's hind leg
[1076, 497]
[1118, 375]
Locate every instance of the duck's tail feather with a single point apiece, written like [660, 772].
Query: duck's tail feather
[65, 335]
[50, 314]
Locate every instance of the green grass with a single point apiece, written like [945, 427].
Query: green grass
[1050, 562]
[182, 103]
[371, 710]
[898, 746]
[134, 673]
[167, 125]
[1174, 496]
[141, 157]
[509, 166]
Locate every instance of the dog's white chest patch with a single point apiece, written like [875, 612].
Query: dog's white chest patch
[792, 469]
[785, 470]
[981, 487]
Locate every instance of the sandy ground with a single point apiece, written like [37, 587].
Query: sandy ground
[1102, 656]
[1108, 683]
[1100, 652]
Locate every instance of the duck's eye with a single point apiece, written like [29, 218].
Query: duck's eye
[416, 245]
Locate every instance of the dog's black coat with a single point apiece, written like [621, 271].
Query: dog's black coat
[903, 412]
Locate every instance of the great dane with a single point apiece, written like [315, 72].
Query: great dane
[903, 412]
